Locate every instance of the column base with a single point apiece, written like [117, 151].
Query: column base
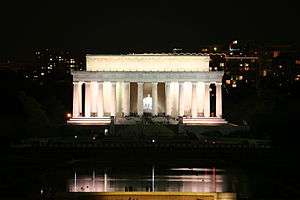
[89, 121]
[94, 121]
[204, 120]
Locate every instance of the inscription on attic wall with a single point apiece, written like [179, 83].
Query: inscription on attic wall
[158, 63]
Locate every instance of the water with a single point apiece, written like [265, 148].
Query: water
[151, 179]
[258, 180]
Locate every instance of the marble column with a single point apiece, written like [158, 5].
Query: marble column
[113, 103]
[126, 98]
[77, 99]
[168, 98]
[200, 95]
[94, 96]
[140, 97]
[119, 98]
[207, 100]
[87, 101]
[194, 99]
[100, 101]
[181, 102]
[219, 100]
[154, 99]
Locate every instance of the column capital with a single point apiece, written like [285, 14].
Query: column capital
[180, 82]
[154, 83]
[113, 82]
[168, 83]
[140, 83]
[207, 83]
[218, 83]
[76, 82]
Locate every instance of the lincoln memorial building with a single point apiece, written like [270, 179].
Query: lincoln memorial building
[180, 87]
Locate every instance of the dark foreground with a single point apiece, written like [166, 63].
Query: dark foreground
[45, 168]
[260, 172]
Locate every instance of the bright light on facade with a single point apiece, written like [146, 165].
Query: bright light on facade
[105, 131]
[234, 84]
[265, 73]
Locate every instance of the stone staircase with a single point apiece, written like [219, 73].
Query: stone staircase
[89, 121]
[204, 120]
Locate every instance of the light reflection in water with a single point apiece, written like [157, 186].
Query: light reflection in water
[170, 180]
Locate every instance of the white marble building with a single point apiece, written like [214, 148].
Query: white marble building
[171, 85]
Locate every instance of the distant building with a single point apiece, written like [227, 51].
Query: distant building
[239, 61]
[249, 65]
[241, 71]
[280, 66]
[53, 64]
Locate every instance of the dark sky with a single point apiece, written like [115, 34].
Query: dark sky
[117, 26]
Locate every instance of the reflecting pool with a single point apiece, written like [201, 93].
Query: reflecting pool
[150, 179]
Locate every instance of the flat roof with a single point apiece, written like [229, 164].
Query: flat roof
[148, 62]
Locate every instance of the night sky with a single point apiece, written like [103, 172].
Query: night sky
[126, 26]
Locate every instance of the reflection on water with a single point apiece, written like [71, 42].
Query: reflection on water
[163, 180]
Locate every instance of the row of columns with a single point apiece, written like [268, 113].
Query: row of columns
[195, 100]
[94, 101]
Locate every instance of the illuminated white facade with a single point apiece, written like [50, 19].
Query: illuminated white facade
[118, 85]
